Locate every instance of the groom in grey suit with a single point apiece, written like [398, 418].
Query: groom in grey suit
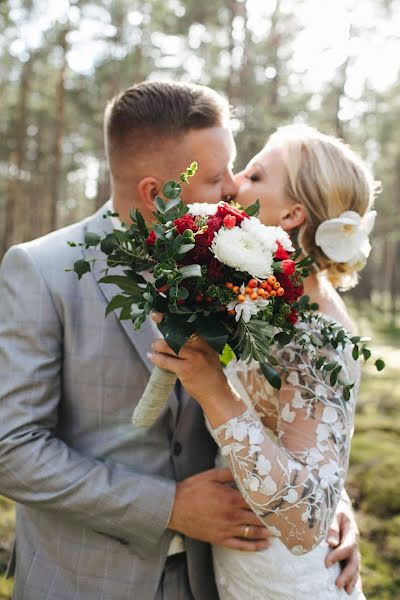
[104, 510]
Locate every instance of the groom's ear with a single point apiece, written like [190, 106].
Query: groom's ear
[293, 217]
[148, 188]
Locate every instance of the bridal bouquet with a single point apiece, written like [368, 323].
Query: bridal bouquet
[213, 270]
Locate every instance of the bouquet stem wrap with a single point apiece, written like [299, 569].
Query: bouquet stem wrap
[158, 388]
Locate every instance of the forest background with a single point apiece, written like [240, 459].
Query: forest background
[333, 64]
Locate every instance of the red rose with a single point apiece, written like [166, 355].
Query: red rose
[281, 253]
[226, 209]
[151, 240]
[229, 221]
[184, 223]
[293, 289]
[293, 316]
[205, 238]
[288, 266]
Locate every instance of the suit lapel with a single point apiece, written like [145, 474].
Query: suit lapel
[143, 338]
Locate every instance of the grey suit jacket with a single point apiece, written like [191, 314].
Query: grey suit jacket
[93, 494]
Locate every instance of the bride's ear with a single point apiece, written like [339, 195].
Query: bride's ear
[147, 189]
[293, 217]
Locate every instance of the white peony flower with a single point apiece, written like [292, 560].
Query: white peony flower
[345, 238]
[202, 209]
[243, 251]
[268, 235]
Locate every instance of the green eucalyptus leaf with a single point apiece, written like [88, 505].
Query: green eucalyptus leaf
[182, 293]
[330, 366]
[355, 352]
[81, 267]
[160, 205]
[171, 204]
[380, 364]
[172, 190]
[190, 271]
[92, 239]
[109, 244]
[185, 248]
[366, 352]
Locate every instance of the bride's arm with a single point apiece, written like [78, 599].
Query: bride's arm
[294, 483]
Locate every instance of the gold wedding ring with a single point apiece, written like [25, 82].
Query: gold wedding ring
[193, 337]
[246, 531]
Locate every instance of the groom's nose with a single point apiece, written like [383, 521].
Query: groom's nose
[229, 187]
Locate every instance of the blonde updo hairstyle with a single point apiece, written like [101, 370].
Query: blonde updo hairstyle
[327, 178]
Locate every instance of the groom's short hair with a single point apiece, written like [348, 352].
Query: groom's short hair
[154, 111]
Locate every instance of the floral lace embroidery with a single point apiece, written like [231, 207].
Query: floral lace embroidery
[289, 451]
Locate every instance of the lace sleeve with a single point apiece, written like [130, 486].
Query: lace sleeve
[292, 473]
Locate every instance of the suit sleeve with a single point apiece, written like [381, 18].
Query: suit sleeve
[37, 468]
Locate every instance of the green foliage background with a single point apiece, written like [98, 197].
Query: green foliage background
[53, 171]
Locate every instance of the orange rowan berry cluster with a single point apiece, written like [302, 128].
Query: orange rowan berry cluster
[254, 289]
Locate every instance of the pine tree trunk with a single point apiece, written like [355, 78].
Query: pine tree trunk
[56, 170]
[15, 217]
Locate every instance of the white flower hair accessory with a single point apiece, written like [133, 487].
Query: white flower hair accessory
[345, 238]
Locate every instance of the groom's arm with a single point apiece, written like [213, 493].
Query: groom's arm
[36, 467]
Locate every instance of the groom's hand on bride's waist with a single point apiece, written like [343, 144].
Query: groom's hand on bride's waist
[343, 537]
[207, 509]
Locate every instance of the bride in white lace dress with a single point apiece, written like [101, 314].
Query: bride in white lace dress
[289, 450]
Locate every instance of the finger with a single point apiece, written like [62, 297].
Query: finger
[245, 545]
[247, 517]
[333, 537]
[342, 552]
[349, 573]
[157, 317]
[163, 361]
[222, 475]
[350, 587]
[161, 346]
[253, 532]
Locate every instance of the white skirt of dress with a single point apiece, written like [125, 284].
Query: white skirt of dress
[277, 574]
